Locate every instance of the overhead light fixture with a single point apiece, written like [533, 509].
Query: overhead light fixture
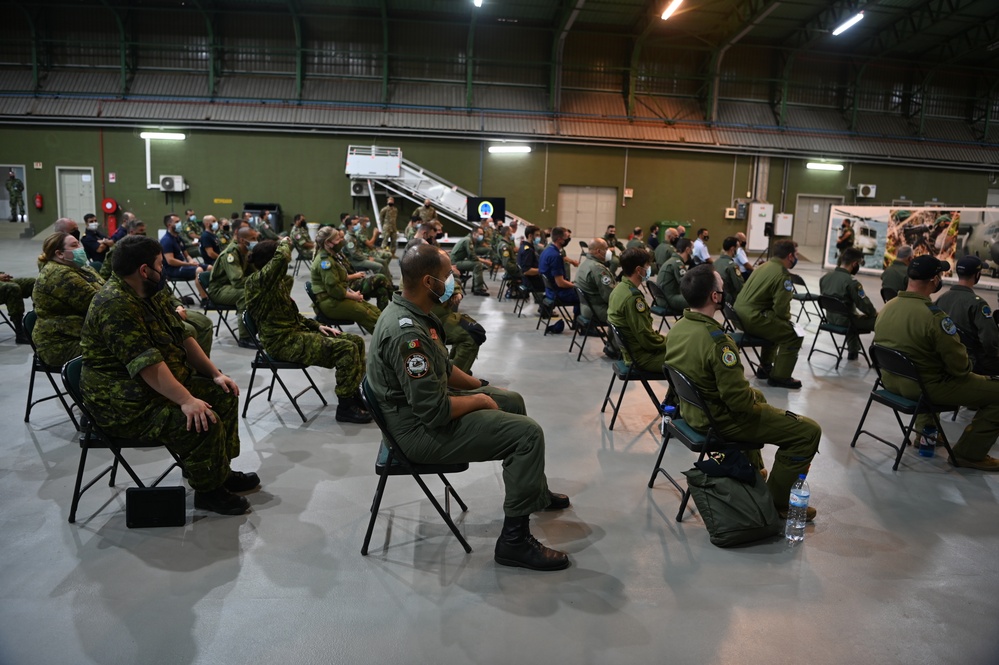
[672, 7]
[163, 136]
[509, 149]
[848, 24]
[477, 3]
[823, 166]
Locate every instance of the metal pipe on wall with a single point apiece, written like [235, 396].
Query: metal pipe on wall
[624, 185]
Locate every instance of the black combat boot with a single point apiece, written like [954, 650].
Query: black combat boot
[351, 410]
[237, 482]
[222, 501]
[518, 548]
[20, 334]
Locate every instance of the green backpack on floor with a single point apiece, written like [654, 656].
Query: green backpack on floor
[734, 512]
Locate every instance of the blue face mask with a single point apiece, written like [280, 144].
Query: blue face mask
[215, 226]
[448, 288]
[648, 272]
[193, 218]
[250, 245]
[80, 256]
[357, 228]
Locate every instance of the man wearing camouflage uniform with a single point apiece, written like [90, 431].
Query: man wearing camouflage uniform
[228, 281]
[764, 307]
[439, 414]
[973, 317]
[145, 379]
[15, 191]
[911, 324]
[628, 311]
[426, 212]
[462, 333]
[289, 336]
[841, 285]
[191, 235]
[13, 291]
[390, 229]
[705, 354]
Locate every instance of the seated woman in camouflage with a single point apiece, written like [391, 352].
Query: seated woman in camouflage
[300, 239]
[330, 282]
[62, 295]
[288, 336]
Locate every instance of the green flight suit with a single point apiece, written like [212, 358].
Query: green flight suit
[597, 283]
[62, 296]
[463, 257]
[731, 276]
[14, 292]
[895, 276]
[913, 325]
[289, 336]
[628, 310]
[390, 228]
[376, 285]
[408, 372]
[613, 243]
[702, 351]
[300, 240]
[669, 281]
[664, 252]
[461, 332]
[506, 254]
[841, 285]
[266, 232]
[764, 307]
[191, 235]
[974, 317]
[329, 284]
[123, 334]
[637, 242]
[227, 285]
[356, 252]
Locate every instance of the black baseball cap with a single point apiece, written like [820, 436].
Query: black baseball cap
[926, 267]
[969, 265]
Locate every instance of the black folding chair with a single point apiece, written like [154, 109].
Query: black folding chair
[50, 371]
[896, 363]
[887, 294]
[322, 318]
[5, 321]
[301, 259]
[94, 437]
[829, 305]
[701, 443]
[507, 283]
[528, 292]
[803, 297]
[264, 361]
[660, 306]
[551, 306]
[627, 373]
[586, 328]
[742, 339]
[221, 310]
[392, 461]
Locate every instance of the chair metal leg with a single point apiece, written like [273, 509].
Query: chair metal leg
[249, 390]
[31, 390]
[620, 398]
[686, 496]
[447, 518]
[603, 407]
[449, 489]
[375, 504]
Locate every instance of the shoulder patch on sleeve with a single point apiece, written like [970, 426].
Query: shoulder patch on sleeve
[728, 357]
[986, 311]
[405, 322]
[350, 245]
[640, 305]
[860, 292]
[417, 365]
[606, 279]
[682, 272]
[948, 326]
[230, 258]
[325, 264]
[788, 286]
[413, 344]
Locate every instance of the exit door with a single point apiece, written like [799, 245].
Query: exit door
[587, 211]
[75, 191]
[811, 223]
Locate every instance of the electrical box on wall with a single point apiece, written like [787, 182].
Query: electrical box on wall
[729, 213]
[741, 210]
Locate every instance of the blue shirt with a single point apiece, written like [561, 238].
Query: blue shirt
[209, 239]
[90, 242]
[173, 245]
[551, 265]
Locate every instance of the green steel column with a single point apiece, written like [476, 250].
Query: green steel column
[470, 60]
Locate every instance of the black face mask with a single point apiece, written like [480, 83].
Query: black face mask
[154, 286]
[75, 233]
[391, 205]
[939, 286]
[439, 236]
[855, 269]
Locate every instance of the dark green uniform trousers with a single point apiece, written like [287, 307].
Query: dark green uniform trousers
[202, 329]
[783, 355]
[231, 296]
[863, 324]
[975, 391]
[474, 267]
[506, 434]
[362, 313]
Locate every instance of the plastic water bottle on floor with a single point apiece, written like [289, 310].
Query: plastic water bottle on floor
[669, 412]
[927, 441]
[797, 510]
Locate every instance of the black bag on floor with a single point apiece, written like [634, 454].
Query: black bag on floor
[734, 512]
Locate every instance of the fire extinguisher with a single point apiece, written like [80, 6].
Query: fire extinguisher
[39, 201]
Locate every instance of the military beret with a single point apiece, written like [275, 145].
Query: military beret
[926, 267]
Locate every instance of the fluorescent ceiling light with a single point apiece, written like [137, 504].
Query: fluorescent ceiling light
[848, 24]
[672, 7]
[477, 3]
[823, 166]
[509, 149]
[163, 136]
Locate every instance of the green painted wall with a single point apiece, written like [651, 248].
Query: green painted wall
[305, 174]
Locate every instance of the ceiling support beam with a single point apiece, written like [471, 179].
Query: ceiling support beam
[385, 51]
[296, 24]
[649, 21]
[32, 25]
[122, 47]
[470, 60]
[214, 63]
[558, 51]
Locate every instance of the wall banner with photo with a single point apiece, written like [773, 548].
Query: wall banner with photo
[946, 233]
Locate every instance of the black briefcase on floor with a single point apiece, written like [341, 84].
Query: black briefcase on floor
[155, 506]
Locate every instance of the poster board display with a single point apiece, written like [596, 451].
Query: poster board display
[946, 233]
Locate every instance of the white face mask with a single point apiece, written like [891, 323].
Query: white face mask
[608, 255]
[648, 272]
[92, 226]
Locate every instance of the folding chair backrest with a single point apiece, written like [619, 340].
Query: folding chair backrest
[375, 409]
[731, 316]
[308, 289]
[971, 342]
[583, 297]
[829, 304]
[887, 294]
[894, 362]
[549, 284]
[658, 297]
[29, 323]
[687, 392]
[71, 380]
[204, 278]
[251, 328]
[797, 281]
[621, 342]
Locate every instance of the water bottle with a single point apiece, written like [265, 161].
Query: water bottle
[797, 511]
[669, 412]
[927, 441]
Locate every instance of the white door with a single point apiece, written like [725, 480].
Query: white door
[75, 192]
[811, 220]
[587, 211]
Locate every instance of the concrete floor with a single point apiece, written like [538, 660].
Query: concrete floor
[899, 567]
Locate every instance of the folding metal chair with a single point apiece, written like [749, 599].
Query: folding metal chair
[325, 320]
[803, 299]
[701, 443]
[94, 437]
[39, 367]
[827, 305]
[551, 306]
[528, 292]
[299, 260]
[221, 310]
[742, 339]
[887, 294]
[627, 373]
[263, 361]
[660, 306]
[585, 328]
[392, 461]
[894, 362]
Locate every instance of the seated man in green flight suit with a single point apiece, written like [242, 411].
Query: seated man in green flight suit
[629, 312]
[704, 353]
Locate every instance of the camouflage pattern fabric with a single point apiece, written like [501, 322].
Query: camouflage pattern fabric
[376, 286]
[329, 284]
[226, 286]
[62, 296]
[14, 292]
[390, 229]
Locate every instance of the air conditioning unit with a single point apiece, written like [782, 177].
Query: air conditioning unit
[172, 183]
[358, 188]
[866, 191]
